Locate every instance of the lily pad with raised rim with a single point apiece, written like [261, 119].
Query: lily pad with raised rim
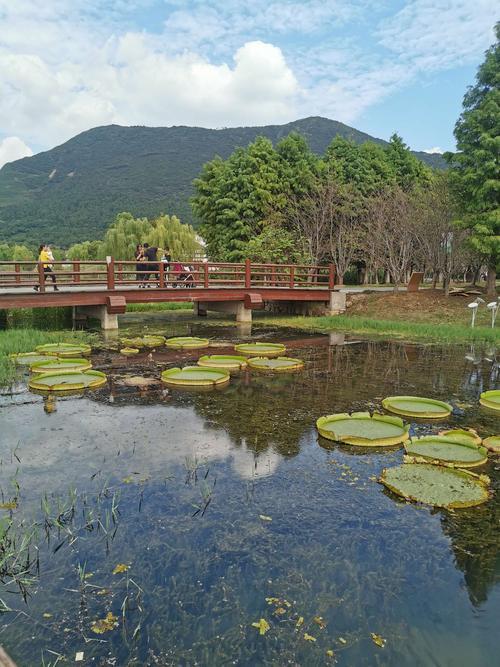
[129, 351]
[144, 341]
[187, 342]
[195, 376]
[490, 399]
[60, 364]
[67, 380]
[227, 361]
[28, 358]
[492, 444]
[276, 364]
[438, 449]
[439, 486]
[64, 349]
[261, 349]
[417, 406]
[363, 430]
[462, 435]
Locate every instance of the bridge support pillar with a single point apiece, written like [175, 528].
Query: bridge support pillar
[238, 308]
[337, 303]
[108, 320]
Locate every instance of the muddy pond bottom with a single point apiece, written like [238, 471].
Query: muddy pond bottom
[173, 527]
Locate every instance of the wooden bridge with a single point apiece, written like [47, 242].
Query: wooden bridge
[102, 289]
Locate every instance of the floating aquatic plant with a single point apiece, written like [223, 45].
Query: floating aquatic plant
[363, 429]
[436, 485]
[416, 406]
[490, 399]
[28, 358]
[64, 349]
[261, 349]
[462, 435]
[228, 361]
[187, 342]
[194, 376]
[438, 449]
[67, 380]
[277, 364]
[129, 351]
[58, 364]
[144, 341]
[492, 443]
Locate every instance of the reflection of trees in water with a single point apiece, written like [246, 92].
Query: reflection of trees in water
[475, 540]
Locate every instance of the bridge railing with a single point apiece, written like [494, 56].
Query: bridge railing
[119, 274]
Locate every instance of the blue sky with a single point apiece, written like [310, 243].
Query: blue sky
[380, 66]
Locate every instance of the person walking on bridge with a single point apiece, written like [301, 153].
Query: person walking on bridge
[151, 255]
[46, 257]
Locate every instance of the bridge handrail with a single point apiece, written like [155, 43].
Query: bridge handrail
[113, 274]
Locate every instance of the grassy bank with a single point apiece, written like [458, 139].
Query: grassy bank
[412, 331]
[153, 307]
[13, 341]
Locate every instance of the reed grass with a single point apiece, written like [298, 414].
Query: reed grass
[413, 331]
[153, 307]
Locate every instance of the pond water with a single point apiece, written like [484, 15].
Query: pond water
[211, 502]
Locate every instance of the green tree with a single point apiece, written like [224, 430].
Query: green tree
[475, 170]
[275, 245]
[409, 170]
[86, 251]
[233, 198]
[20, 253]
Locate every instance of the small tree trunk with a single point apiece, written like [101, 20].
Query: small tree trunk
[434, 279]
[476, 275]
[491, 282]
[387, 278]
[446, 285]
[339, 277]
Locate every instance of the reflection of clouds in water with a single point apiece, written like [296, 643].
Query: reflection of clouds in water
[67, 446]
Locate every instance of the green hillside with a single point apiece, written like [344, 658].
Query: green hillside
[72, 192]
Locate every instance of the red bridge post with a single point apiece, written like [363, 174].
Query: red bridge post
[110, 270]
[41, 277]
[248, 274]
[331, 276]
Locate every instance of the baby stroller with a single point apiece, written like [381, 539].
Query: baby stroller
[183, 276]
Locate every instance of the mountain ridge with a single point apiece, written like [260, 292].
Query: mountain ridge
[73, 191]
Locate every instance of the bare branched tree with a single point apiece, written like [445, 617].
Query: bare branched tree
[310, 217]
[345, 232]
[390, 239]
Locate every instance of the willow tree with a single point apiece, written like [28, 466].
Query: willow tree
[475, 168]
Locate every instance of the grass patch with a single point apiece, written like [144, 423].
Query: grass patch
[415, 331]
[153, 307]
[13, 341]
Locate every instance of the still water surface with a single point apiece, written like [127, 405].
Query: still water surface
[216, 501]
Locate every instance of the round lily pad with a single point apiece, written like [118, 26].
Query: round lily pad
[436, 485]
[129, 351]
[416, 406]
[28, 358]
[229, 361]
[67, 380]
[261, 349]
[187, 342]
[363, 429]
[64, 349]
[277, 364]
[195, 376]
[144, 341]
[438, 449]
[491, 399]
[463, 435]
[60, 364]
[492, 443]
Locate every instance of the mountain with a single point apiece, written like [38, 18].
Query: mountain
[72, 192]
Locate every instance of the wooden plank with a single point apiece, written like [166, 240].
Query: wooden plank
[116, 304]
[253, 300]
[415, 281]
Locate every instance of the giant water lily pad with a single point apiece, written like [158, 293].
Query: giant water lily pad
[363, 429]
[492, 443]
[187, 342]
[490, 399]
[60, 364]
[67, 380]
[276, 364]
[138, 381]
[261, 349]
[438, 449]
[64, 349]
[145, 341]
[436, 485]
[129, 351]
[28, 358]
[228, 361]
[416, 406]
[463, 435]
[195, 376]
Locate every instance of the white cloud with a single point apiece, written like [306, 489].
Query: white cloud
[434, 150]
[13, 148]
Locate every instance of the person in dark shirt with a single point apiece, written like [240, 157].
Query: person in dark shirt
[151, 255]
